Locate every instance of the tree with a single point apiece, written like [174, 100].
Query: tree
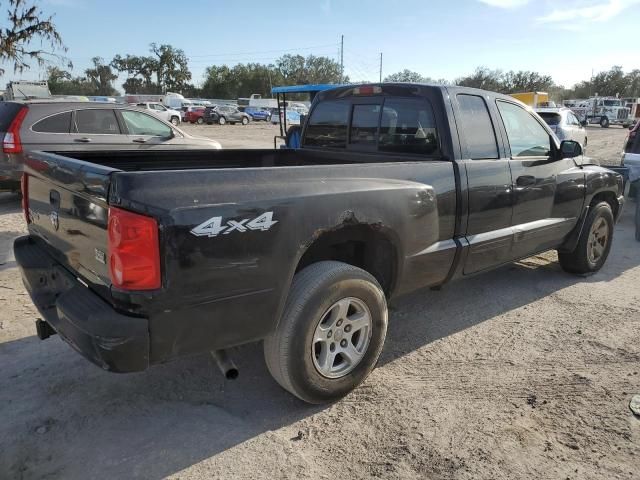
[483, 78]
[100, 77]
[525, 81]
[172, 67]
[27, 25]
[298, 70]
[167, 65]
[407, 76]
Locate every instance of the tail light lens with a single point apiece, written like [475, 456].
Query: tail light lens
[11, 142]
[24, 188]
[134, 252]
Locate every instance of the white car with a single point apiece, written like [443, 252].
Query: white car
[564, 123]
[166, 114]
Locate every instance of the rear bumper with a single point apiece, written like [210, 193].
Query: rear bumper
[114, 342]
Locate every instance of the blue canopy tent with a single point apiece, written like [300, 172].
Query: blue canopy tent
[292, 137]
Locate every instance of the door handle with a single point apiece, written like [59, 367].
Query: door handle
[83, 140]
[525, 180]
[139, 140]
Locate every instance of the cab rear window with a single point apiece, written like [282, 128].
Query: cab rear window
[328, 124]
[399, 125]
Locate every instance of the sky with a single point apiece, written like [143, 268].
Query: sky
[567, 39]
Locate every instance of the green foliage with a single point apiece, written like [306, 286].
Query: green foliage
[244, 79]
[98, 80]
[165, 70]
[411, 77]
[26, 28]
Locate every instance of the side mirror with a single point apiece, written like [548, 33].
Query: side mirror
[570, 149]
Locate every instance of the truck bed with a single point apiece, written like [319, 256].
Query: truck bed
[132, 161]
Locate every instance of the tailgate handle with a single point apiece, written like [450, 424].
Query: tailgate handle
[83, 139]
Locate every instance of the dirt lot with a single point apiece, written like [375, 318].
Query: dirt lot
[525, 372]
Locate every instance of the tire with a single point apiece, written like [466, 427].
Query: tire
[222, 121]
[268, 119]
[293, 358]
[175, 121]
[604, 122]
[200, 121]
[591, 252]
[245, 121]
[626, 125]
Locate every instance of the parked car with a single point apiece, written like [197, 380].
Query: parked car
[258, 113]
[396, 187]
[631, 160]
[166, 114]
[73, 126]
[194, 115]
[564, 123]
[223, 114]
[293, 116]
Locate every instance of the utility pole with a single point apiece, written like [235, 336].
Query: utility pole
[380, 67]
[341, 58]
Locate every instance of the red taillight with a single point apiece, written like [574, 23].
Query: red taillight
[134, 253]
[11, 142]
[24, 188]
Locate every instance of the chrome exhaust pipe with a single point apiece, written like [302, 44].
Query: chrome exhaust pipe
[225, 364]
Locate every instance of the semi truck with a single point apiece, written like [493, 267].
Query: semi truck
[603, 111]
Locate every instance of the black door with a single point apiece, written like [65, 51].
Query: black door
[489, 190]
[548, 192]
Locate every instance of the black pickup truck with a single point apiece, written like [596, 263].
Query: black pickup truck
[139, 258]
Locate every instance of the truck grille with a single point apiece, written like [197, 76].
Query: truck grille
[622, 114]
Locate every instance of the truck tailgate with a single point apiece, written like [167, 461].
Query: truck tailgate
[68, 210]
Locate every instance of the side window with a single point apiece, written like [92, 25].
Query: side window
[527, 138]
[142, 124]
[574, 119]
[54, 124]
[327, 126]
[364, 124]
[97, 121]
[408, 126]
[476, 127]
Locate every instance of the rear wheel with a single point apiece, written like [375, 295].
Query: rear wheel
[222, 120]
[331, 332]
[594, 243]
[245, 120]
[604, 122]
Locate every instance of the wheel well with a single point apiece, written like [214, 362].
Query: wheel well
[608, 197]
[360, 245]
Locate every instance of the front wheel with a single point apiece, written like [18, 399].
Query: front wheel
[604, 122]
[200, 121]
[245, 120]
[594, 243]
[175, 121]
[222, 121]
[331, 332]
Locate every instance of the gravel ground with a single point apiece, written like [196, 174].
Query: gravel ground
[524, 372]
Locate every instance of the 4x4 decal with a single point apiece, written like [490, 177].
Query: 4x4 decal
[214, 227]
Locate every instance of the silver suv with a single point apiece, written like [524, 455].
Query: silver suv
[564, 124]
[80, 126]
